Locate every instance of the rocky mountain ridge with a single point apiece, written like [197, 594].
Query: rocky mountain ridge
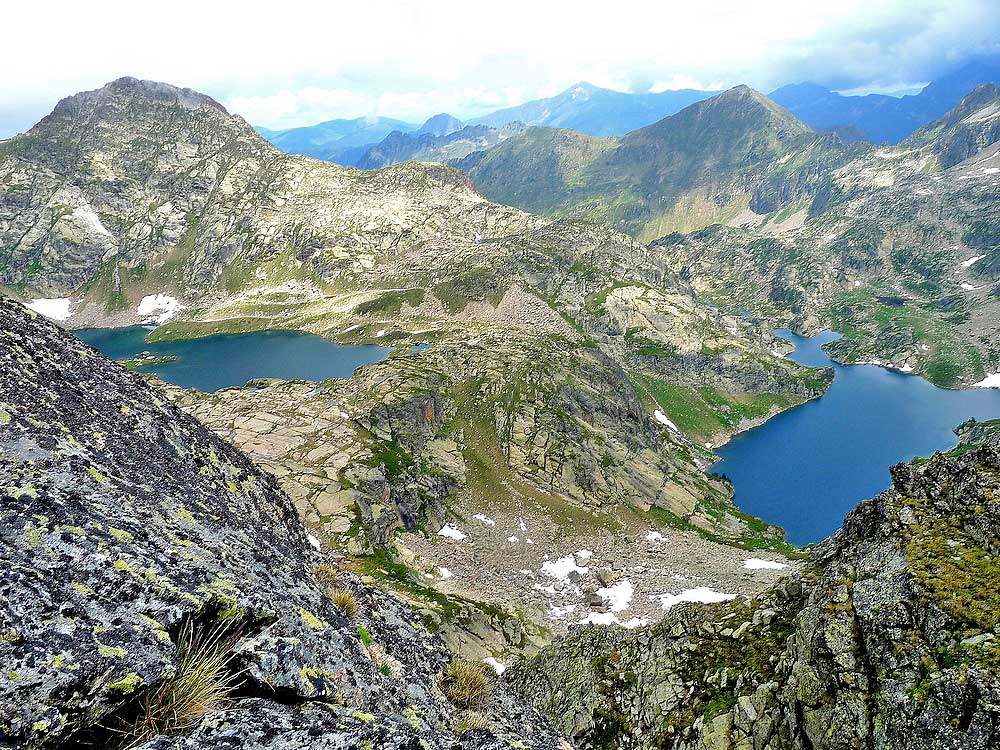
[736, 154]
[897, 253]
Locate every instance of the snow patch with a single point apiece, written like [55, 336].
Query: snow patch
[498, 666]
[701, 594]
[755, 563]
[618, 596]
[660, 417]
[561, 568]
[313, 541]
[445, 574]
[485, 520]
[990, 381]
[973, 259]
[654, 536]
[380, 334]
[599, 618]
[968, 287]
[991, 170]
[557, 613]
[584, 554]
[513, 539]
[56, 309]
[452, 532]
[159, 307]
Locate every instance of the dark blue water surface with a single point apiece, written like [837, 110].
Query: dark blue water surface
[806, 468]
[231, 359]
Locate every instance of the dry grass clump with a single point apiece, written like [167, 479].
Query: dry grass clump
[344, 600]
[203, 683]
[471, 720]
[468, 684]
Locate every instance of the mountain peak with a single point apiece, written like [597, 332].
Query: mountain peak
[582, 89]
[440, 124]
[967, 128]
[128, 111]
[738, 112]
[128, 86]
[743, 93]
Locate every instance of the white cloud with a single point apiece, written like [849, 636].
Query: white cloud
[296, 63]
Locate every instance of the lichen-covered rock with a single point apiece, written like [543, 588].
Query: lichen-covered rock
[124, 518]
[889, 638]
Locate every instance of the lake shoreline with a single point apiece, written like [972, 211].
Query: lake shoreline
[805, 467]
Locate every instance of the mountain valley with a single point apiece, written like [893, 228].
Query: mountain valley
[574, 319]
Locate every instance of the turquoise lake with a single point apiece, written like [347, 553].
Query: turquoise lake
[227, 360]
[808, 467]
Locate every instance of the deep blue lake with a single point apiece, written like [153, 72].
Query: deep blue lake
[227, 360]
[806, 468]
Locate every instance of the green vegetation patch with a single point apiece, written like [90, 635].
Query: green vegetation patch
[703, 412]
[863, 318]
[390, 303]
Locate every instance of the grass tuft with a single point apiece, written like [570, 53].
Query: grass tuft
[344, 600]
[203, 683]
[468, 684]
[470, 720]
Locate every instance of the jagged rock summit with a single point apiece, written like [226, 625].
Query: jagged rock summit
[124, 522]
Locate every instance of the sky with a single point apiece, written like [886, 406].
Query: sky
[295, 63]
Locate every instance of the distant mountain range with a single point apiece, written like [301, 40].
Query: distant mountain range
[594, 111]
[885, 118]
[338, 141]
[426, 146]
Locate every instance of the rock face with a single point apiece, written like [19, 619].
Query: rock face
[888, 638]
[124, 520]
[164, 191]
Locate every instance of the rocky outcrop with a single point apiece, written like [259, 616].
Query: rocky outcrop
[126, 524]
[887, 639]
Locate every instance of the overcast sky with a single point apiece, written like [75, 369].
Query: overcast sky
[284, 64]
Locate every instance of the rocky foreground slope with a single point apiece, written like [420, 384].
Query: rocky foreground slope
[889, 638]
[126, 526]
